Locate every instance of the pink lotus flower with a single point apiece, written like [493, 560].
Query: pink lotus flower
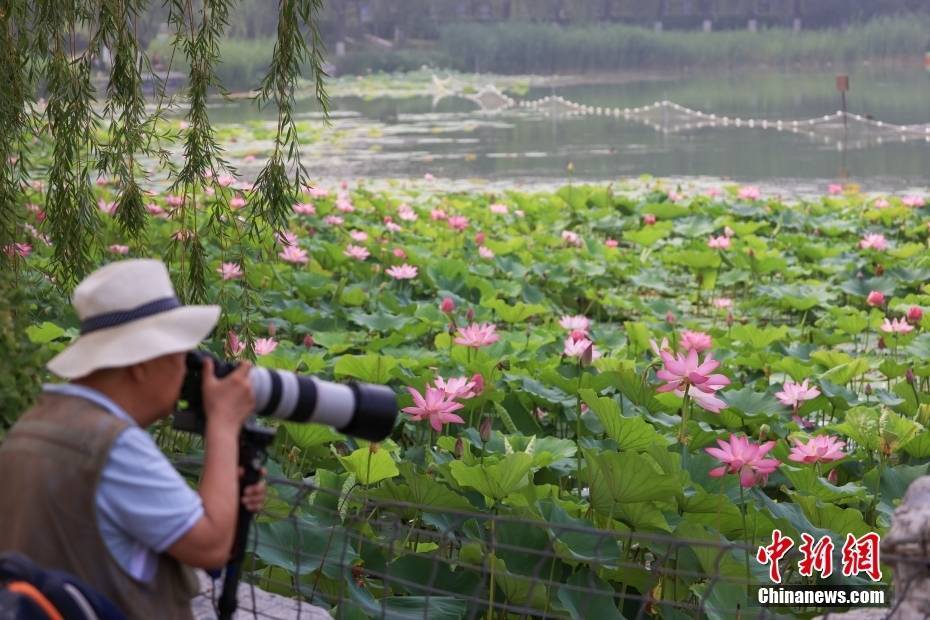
[577, 322]
[308, 341]
[304, 208]
[344, 205]
[835, 189]
[434, 406]
[477, 335]
[392, 227]
[611, 243]
[230, 271]
[286, 238]
[881, 203]
[264, 346]
[18, 249]
[719, 243]
[458, 222]
[685, 375]
[399, 253]
[317, 192]
[874, 242]
[119, 249]
[479, 238]
[819, 449]
[356, 252]
[896, 326]
[915, 314]
[723, 303]
[578, 347]
[447, 305]
[485, 252]
[333, 220]
[294, 254]
[749, 193]
[407, 214]
[499, 209]
[107, 207]
[657, 347]
[225, 180]
[478, 380]
[875, 298]
[571, 238]
[793, 394]
[428, 177]
[461, 388]
[174, 200]
[713, 192]
[649, 219]
[674, 196]
[359, 235]
[154, 209]
[402, 272]
[744, 458]
[913, 201]
[234, 346]
[237, 202]
[697, 341]
[437, 214]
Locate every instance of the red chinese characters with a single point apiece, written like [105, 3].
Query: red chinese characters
[771, 554]
[816, 556]
[859, 555]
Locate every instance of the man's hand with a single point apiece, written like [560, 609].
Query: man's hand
[228, 401]
[254, 495]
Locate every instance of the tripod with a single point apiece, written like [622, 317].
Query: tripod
[253, 445]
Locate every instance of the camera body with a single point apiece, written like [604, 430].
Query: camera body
[360, 410]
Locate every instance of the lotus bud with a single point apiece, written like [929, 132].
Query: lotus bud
[670, 318]
[915, 314]
[484, 430]
[764, 431]
[399, 253]
[833, 476]
[879, 270]
[868, 389]
[729, 319]
[447, 305]
[909, 376]
[272, 330]
[308, 341]
[875, 298]
[478, 380]
[649, 219]
[479, 238]
[470, 315]
[459, 448]
[881, 343]
[587, 356]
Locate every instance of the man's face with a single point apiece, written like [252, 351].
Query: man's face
[167, 373]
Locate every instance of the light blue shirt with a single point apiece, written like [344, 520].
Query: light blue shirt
[143, 504]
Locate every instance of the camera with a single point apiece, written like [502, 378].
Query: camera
[360, 410]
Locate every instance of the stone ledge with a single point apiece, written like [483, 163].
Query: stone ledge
[267, 605]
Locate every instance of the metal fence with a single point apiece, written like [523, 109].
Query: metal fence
[363, 555]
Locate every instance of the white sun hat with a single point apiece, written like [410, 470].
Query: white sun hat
[129, 313]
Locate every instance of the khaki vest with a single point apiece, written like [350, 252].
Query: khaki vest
[50, 464]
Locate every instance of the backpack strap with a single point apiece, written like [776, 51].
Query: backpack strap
[29, 591]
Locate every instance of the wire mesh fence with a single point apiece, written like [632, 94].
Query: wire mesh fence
[361, 554]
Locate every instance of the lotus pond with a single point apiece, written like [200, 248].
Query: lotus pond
[639, 358]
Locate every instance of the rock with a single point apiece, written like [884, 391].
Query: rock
[267, 605]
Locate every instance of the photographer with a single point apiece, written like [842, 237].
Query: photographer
[83, 485]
